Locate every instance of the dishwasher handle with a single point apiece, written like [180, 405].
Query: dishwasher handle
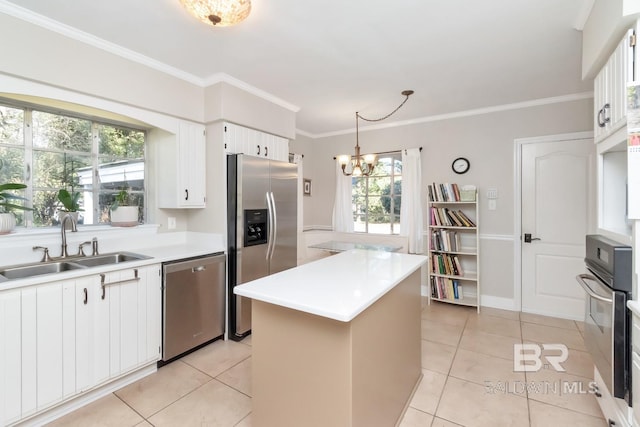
[198, 269]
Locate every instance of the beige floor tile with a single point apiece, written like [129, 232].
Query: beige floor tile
[580, 326]
[578, 362]
[495, 325]
[246, 340]
[490, 344]
[154, 392]
[548, 321]
[218, 357]
[437, 357]
[483, 369]
[470, 404]
[428, 392]
[552, 335]
[543, 415]
[144, 424]
[439, 422]
[415, 418]
[238, 377]
[213, 404]
[441, 332]
[563, 390]
[446, 313]
[105, 412]
[246, 422]
[496, 312]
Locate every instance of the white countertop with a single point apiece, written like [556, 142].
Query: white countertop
[338, 287]
[164, 247]
[634, 306]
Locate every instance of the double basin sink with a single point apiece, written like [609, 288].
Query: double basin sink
[68, 264]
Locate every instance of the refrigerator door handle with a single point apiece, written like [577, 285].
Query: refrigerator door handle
[274, 228]
[270, 214]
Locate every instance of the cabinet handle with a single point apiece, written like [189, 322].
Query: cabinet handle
[605, 118]
[186, 194]
[86, 296]
[598, 394]
[258, 147]
[600, 122]
[266, 151]
[611, 422]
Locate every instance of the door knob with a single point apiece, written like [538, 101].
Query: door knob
[528, 238]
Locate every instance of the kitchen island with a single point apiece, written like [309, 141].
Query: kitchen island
[336, 342]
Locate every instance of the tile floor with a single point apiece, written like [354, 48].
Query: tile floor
[468, 380]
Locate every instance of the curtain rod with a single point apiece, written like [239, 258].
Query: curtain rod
[384, 152]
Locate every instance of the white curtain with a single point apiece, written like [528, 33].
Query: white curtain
[411, 207]
[342, 209]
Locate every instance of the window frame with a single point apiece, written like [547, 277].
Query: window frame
[395, 156]
[28, 147]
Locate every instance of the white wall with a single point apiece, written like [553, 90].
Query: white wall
[487, 140]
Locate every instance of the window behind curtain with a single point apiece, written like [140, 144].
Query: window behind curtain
[48, 151]
[376, 198]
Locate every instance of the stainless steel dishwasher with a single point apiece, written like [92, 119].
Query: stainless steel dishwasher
[193, 303]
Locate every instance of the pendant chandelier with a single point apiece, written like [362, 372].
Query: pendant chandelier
[363, 165]
[221, 13]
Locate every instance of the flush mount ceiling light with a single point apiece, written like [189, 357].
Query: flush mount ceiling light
[363, 165]
[221, 13]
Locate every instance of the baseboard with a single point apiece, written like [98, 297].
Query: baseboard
[498, 302]
[78, 402]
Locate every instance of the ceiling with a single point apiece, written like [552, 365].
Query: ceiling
[332, 58]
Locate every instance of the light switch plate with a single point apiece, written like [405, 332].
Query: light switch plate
[492, 204]
[492, 193]
[171, 223]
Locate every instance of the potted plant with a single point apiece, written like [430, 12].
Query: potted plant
[123, 212]
[70, 202]
[7, 219]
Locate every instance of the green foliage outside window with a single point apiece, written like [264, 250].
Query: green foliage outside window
[376, 198]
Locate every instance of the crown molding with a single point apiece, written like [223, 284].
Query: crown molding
[459, 114]
[225, 78]
[27, 15]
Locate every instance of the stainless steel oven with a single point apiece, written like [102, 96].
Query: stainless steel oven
[607, 332]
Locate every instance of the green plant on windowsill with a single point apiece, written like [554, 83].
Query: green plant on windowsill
[70, 200]
[123, 198]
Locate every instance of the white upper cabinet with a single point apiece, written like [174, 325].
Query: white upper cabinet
[239, 139]
[181, 170]
[610, 88]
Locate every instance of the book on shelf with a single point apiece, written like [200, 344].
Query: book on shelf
[449, 218]
[446, 264]
[444, 192]
[444, 288]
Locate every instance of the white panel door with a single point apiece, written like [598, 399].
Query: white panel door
[10, 357]
[558, 199]
[191, 165]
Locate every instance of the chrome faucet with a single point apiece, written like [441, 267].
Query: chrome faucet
[74, 228]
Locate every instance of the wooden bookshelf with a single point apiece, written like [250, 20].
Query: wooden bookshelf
[454, 246]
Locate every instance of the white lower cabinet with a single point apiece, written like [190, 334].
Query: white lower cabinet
[61, 339]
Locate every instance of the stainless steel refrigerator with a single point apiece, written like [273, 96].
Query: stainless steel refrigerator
[262, 225]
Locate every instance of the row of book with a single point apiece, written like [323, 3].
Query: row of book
[446, 264]
[449, 217]
[451, 193]
[445, 240]
[443, 288]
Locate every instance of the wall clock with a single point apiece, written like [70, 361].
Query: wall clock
[460, 165]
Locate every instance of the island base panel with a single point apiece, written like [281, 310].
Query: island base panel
[314, 371]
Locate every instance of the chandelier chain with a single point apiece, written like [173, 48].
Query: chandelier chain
[388, 115]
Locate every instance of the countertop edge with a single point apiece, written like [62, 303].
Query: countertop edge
[157, 255]
[634, 306]
[338, 315]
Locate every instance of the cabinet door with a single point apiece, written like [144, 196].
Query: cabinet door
[600, 96]
[134, 317]
[621, 72]
[191, 165]
[92, 333]
[10, 357]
